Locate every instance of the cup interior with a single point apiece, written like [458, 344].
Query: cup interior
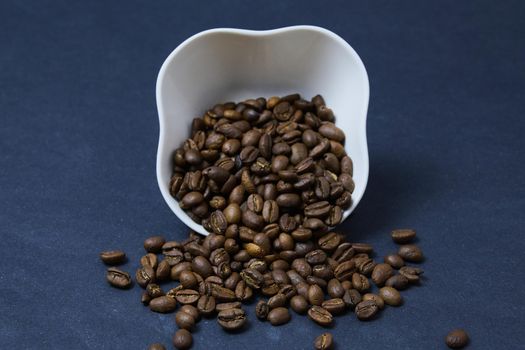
[232, 65]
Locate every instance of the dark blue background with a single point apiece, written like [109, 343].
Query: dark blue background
[78, 139]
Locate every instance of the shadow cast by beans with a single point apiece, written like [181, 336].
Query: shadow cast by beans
[394, 188]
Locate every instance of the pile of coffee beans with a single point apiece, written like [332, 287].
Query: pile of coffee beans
[262, 165]
[319, 275]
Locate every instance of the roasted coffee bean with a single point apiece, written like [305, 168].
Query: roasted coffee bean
[457, 339]
[206, 305]
[324, 342]
[277, 300]
[191, 199]
[346, 285]
[278, 316]
[182, 340]
[403, 236]
[232, 213]
[351, 298]
[163, 304]
[394, 260]
[154, 290]
[316, 257]
[366, 310]
[218, 222]
[343, 252]
[299, 304]
[411, 253]
[231, 305]
[335, 289]
[376, 299]
[145, 275]
[315, 295]
[187, 296]
[156, 346]
[399, 282]
[202, 266]
[118, 278]
[149, 259]
[253, 278]
[188, 280]
[344, 270]
[329, 241]
[223, 294]
[262, 309]
[113, 257]
[184, 320]
[252, 220]
[335, 306]
[231, 319]
[381, 273]
[390, 296]
[288, 200]
[145, 298]
[192, 310]
[177, 269]
[332, 132]
[320, 315]
[360, 282]
[411, 273]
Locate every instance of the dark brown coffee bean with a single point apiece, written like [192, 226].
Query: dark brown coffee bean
[344, 270]
[154, 290]
[366, 310]
[218, 222]
[231, 305]
[149, 259]
[315, 295]
[163, 271]
[232, 213]
[362, 248]
[332, 132]
[231, 147]
[360, 282]
[346, 285]
[351, 298]
[184, 320]
[411, 253]
[202, 266]
[403, 236]
[206, 305]
[381, 273]
[399, 282]
[390, 296]
[316, 257]
[223, 294]
[113, 257]
[330, 241]
[335, 289]
[278, 316]
[317, 210]
[288, 200]
[253, 278]
[302, 267]
[163, 304]
[156, 346]
[182, 339]
[187, 296]
[177, 269]
[118, 278]
[457, 339]
[394, 260]
[320, 315]
[411, 273]
[335, 306]
[191, 199]
[324, 342]
[343, 252]
[278, 300]
[145, 275]
[261, 310]
[335, 216]
[376, 299]
[191, 310]
[231, 319]
[188, 280]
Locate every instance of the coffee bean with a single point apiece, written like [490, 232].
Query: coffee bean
[231, 305]
[154, 290]
[288, 200]
[145, 275]
[335, 305]
[330, 241]
[457, 339]
[335, 288]
[231, 319]
[394, 260]
[403, 236]
[376, 299]
[206, 305]
[163, 271]
[366, 310]
[315, 295]
[202, 266]
[278, 316]
[156, 346]
[232, 213]
[390, 296]
[184, 320]
[118, 278]
[324, 342]
[113, 257]
[351, 298]
[182, 339]
[223, 294]
[192, 310]
[411, 253]
[299, 304]
[278, 300]
[320, 316]
[399, 282]
[381, 273]
[344, 270]
[362, 248]
[191, 199]
[360, 282]
[262, 309]
[411, 273]
[186, 296]
[163, 304]
[253, 278]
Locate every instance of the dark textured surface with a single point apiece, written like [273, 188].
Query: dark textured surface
[78, 134]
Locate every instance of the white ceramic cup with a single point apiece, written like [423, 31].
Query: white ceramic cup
[220, 65]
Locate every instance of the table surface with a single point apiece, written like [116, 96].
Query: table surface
[78, 138]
